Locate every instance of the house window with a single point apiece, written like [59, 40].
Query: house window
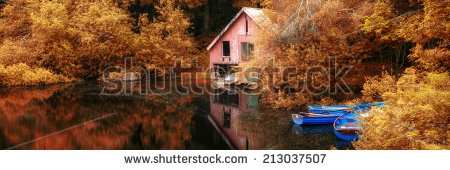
[225, 48]
[246, 25]
[247, 50]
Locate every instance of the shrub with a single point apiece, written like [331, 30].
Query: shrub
[22, 74]
[417, 114]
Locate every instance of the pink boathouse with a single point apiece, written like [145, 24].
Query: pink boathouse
[234, 44]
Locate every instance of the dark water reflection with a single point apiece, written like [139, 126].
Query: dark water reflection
[75, 116]
[244, 126]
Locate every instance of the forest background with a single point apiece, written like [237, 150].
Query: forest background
[399, 50]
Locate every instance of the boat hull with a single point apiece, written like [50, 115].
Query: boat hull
[347, 127]
[302, 119]
[348, 136]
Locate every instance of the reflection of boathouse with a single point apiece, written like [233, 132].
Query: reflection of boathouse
[226, 106]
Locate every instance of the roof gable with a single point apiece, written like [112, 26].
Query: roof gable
[256, 14]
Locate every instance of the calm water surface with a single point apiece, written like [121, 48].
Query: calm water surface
[77, 116]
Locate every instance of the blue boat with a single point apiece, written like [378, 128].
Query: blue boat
[347, 127]
[321, 115]
[341, 109]
[313, 118]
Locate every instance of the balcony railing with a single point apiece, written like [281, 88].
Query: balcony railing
[228, 60]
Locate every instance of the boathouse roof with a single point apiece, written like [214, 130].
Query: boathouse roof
[256, 14]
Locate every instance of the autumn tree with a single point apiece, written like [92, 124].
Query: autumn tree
[410, 31]
[416, 116]
[165, 40]
[310, 34]
[79, 39]
[371, 36]
[15, 33]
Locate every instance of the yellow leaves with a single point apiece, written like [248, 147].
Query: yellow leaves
[305, 38]
[164, 40]
[243, 3]
[435, 21]
[102, 18]
[377, 86]
[437, 58]
[434, 147]
[22, 74]
[80, 38]
[16, 51]
[14, 21]
[439, 81]
[378, 22]
[285, 101]
[424, 24]
[416, 117]
[51, 16]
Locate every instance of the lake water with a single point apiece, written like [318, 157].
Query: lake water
[81, 116]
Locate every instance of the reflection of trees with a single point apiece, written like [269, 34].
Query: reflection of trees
[140, 123]
[21, 108]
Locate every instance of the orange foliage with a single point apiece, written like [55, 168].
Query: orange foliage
[416, 116]
[80, 39]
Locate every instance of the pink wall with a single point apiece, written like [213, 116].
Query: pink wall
[235, 34]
